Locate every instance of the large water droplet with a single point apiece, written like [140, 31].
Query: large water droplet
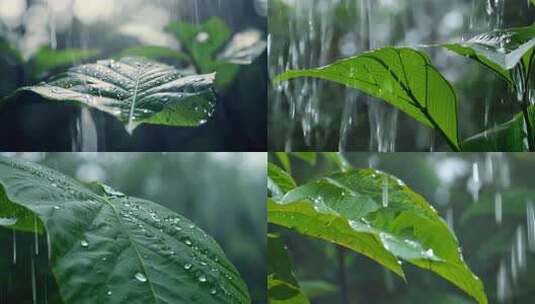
[84, 243]
[202, 279]
[188, 266]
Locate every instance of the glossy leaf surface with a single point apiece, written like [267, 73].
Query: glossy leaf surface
[106, 247]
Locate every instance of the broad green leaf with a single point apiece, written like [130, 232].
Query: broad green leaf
[510, 136]
[283, 288]
[403, 77]
[154, 52]
[106, 247]
[135, 90]
[500, 50]
[48, 59]
[375, 214]
[279, 181]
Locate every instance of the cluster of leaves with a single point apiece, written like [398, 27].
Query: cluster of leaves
[367, 211]
[105, 246]
[137, 90]
[407, 79]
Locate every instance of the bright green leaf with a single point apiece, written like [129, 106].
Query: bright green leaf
[279, 181]
[375, 214]
[283, 288]
[106, 247]
[135, 90]
[403, 77]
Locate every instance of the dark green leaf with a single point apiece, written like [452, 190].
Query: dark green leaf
[515, 203]
[308, 157]
[338, 160]
[9, 53]
[500, 50]
[154, 52]
[377, 215]
[283, 288]
[510, 136]
[135, 90]
[48, 59]
[106, 247]
[403, 77]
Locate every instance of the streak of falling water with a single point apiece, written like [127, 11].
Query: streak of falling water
[498, 213]
[36, 235]
[449, 218]
[530, 214]
[34, 288]
[14, 247]
[474, 183]
[52, 28]
[382, 118]
[503, 284]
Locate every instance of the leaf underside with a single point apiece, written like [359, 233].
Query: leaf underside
[403, 77]
[135, 90]
[106, 247]
[500, 50]
[348, 209]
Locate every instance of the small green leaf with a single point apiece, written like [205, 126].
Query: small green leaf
[154, 52]
[403, 77]
[510, 136]
[284, 159]
[500, 50]
[279, 181]
[135, 90]
[375, 214]
[283, 288]
[316, 289]
[48, 59]
[106, 247]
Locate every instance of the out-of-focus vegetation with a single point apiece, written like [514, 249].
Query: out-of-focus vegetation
[486, 199]
[223, 193]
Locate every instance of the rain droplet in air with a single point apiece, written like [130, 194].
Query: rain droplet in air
[84, 243]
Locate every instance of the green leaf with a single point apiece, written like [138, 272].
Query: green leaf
[279, 181]
[510, 136]
[338, 160]
[203, 41]
[403, 77]
[500, 50]
[308, 157]
[154, 52]
[107, 247]
[135, 90]
[283, 288]
[375, 214]
[284, 159]
[48, 59]
[209, 46]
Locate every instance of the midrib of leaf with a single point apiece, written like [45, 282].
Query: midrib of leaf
[145, 273]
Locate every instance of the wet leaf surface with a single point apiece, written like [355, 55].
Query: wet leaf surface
[135, 90]
[403, 77]
[375, 214]
[107, 247]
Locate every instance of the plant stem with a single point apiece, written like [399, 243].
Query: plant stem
[342, 276]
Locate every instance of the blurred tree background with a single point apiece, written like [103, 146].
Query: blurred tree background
[315, 115]
[36, 34]
[223, 193]
[498, 243]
